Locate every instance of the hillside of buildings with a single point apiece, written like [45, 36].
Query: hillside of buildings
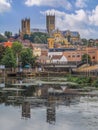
[51, 45]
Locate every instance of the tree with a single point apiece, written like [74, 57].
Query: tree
[2, 38]
[2, 51]
[9, 59]
[95, 83]
[17, 48]
[32, 38]
[84, 41]
[26, 56]
[37, 39]
[43, 39]
[26, 36]
[8, 34]
[33, 61]
[86, 58]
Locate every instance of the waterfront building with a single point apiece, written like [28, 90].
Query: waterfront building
[39, 49]
[43, 59]
[75, 54]
[58, 59]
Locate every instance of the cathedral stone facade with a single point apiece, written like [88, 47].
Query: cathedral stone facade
[25, 26]
[50, 23]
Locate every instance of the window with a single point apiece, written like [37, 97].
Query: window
[73, 55]
[78, 55]
[69, 56]
[93, 57]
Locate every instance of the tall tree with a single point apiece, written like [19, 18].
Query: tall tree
[9, 59]
[37, 39]
[86, 58]
[2, 38]
[17, 48]
[2, 51]
[8, 34]
[26, 56]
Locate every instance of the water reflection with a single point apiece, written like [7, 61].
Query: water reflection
[51, 111]
[46, 105]
[26, 112]
[30, 97]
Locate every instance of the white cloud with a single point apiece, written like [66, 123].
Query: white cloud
[94, 16]
[51, 3]
[80, 3]
[78, 21]
[5, 5]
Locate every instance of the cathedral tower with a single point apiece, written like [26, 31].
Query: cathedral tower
[50, 23]
[25, 26]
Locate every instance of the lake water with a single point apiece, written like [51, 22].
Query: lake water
[31, 109]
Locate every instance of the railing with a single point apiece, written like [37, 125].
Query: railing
[60, 63]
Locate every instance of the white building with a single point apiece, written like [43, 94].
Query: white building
[59, 59]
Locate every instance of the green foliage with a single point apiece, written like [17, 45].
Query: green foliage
[86, 58]
[2, 38]
[37, 37]
[26, 56]
[33, 61]
[17, 47]
[8, 59]
[80, 80]
[2, 51]
[8, 34]
[84, 41]
[26, 36]
[95, 83]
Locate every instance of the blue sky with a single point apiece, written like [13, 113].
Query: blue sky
[74, 15]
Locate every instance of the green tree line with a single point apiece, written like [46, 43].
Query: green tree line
[16, 56]
[37, 37]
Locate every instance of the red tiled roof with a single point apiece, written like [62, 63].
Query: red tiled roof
[8, 44]
[56, 57]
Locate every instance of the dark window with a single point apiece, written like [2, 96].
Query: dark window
[78, 55]
[93, 57]
[73, 55]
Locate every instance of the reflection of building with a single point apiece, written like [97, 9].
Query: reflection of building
[2, 82]
[25, 26]
[50, 23]
[26, 110]
[51, 112]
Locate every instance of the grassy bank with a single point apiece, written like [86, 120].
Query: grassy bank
[83, 81]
